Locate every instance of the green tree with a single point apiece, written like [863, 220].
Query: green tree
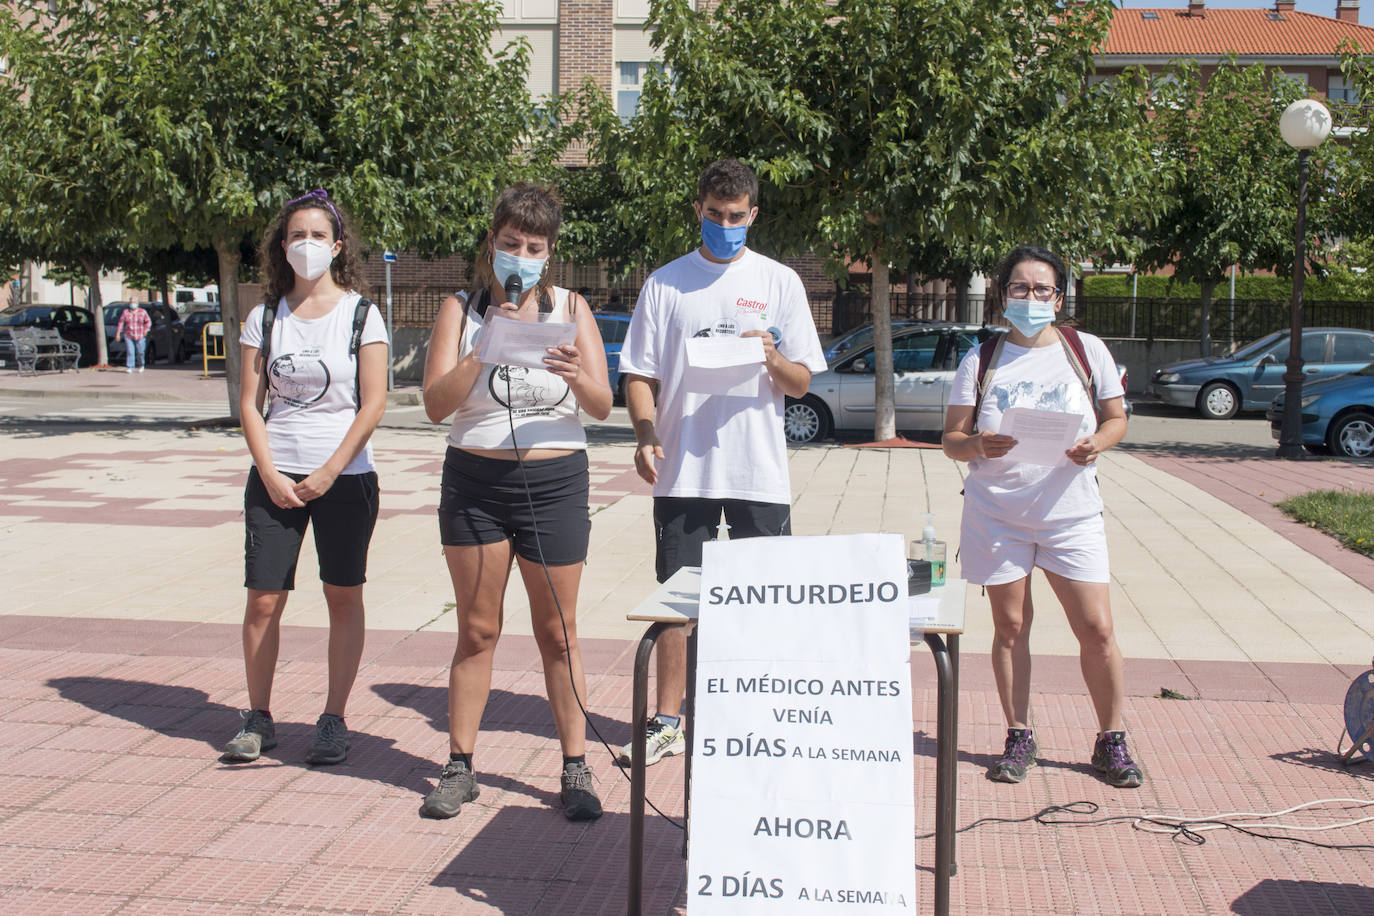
[1230, 196]
[190, 123]
[918, 133]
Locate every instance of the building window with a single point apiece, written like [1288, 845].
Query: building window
[1338, 90]
[630, 83]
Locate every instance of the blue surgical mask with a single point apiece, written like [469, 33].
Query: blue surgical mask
[1029, 316]
[529, 270]
[723, 243]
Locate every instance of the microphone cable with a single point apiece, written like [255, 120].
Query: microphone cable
[513, 281]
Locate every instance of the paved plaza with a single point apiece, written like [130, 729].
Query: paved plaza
[120, 677]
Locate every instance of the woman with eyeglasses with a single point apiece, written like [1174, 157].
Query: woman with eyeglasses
[1020, 515]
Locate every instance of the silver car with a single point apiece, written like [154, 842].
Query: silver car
[924, 358]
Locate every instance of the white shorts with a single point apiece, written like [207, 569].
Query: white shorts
[995, 552]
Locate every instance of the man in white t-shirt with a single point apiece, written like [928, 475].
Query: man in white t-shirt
[714, 443]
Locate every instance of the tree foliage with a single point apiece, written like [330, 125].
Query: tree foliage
[157, 125]
[1229, 196]
[926, 134]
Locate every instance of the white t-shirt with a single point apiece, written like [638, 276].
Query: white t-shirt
[1041, 378]
[540, 404]
[719, 446]
[310, 383]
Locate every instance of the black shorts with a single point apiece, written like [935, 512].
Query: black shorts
[683, 523]
[344, 518]
[486, 500]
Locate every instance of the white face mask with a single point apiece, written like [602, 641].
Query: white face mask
[309, 258]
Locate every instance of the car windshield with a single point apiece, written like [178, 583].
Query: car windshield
[17, 317]
[1253, 349]
[112, 312]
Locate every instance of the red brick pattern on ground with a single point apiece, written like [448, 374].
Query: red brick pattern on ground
[112, 798]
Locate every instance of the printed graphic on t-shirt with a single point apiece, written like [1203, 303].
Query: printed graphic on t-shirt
[300, 379]
[1064, 397]
[526, 392]
[751, 308]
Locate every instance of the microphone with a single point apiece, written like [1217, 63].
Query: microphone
[514, 287]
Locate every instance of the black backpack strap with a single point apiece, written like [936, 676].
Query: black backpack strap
[355, 342]
[269, 317]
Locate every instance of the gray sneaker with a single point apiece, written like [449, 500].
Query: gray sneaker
[579, 798]
[258, 734]
[456, 787]
[331, 740]
[661, 740]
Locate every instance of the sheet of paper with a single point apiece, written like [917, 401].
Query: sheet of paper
[507, 342]
[1042, 436]
[724, 365]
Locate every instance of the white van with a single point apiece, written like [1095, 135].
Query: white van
[183, 296]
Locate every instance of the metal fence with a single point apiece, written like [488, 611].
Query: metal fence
[1237, 320]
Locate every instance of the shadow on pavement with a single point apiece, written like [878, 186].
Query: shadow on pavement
[1328, 761]
[186, 712]
[522, 712]
[1317, 898]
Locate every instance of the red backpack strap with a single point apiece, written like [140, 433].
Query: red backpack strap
[1078, 358]
[988, 351]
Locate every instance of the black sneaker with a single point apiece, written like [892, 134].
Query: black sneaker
[579, 798]
[456, 786]
[258, 734]
[1017, 757]
[1112, 760]
[331, 741]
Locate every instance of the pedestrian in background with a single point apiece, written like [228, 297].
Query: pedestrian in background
[315, 354]
[1019, 515]
[133, 326]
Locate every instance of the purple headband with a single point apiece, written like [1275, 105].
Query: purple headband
[323, 196]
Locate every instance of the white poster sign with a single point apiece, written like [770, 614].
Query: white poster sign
[802, 798]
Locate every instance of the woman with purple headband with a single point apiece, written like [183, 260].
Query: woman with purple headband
[315, 354]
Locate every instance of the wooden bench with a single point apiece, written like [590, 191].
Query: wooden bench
[32, 346]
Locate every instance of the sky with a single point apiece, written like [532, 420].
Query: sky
[1317, 7]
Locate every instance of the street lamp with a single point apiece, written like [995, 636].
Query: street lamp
[1304, 125]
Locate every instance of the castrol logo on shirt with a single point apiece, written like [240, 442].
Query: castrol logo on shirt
[751, 308]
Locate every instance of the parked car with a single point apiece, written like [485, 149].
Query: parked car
[166, 338]
[859, 337]
[1337, 414]
[194, 326]
[1250, 378]
[74, 324]
[925, 356]
[613, 326]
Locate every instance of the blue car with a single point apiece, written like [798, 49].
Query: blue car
[1252, 377]
[613, 326]
[1337, 415]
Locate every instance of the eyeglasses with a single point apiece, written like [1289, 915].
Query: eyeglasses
[1025, 291]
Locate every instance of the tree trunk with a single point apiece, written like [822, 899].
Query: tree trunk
[229, 258]
[884, 411]
[961, 309]
[1208, 287]
[102, 355]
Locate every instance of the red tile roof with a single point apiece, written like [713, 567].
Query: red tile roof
[1217, 32]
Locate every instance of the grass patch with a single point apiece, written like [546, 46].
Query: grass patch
[1347, 517]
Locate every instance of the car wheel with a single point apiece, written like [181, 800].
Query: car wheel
[1218, 401]
[183, 353]
[150, 355]
[1352, 436]
[806, 420]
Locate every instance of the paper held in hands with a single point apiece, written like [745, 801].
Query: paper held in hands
[507, 342]
[724, 365]
[1042, 436]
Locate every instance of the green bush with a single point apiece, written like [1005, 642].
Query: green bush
[1247, 287]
